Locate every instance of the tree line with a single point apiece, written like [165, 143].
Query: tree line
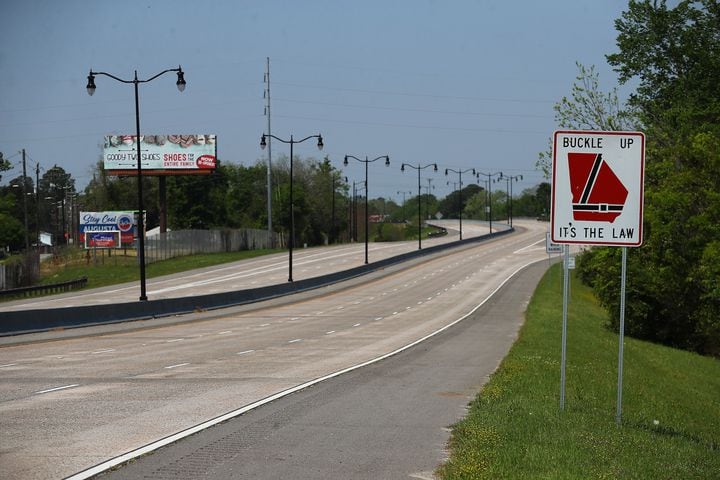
[235, 196]
[673, 56]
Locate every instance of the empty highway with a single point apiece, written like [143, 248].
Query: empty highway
[70, 404]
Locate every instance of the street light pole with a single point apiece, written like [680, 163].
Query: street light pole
[510, 181]
[403, 192]
[141, 221]
[334, 223]
[460, 172]
[292, 142]
[489, 176]
[418, 168]
[367, 190]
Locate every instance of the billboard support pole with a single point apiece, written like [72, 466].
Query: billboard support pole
[618, 413]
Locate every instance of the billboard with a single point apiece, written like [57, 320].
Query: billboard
[107, 229]
[102, 240]
[160, 154]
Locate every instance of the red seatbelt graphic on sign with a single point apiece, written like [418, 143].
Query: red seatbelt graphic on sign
[598, 195]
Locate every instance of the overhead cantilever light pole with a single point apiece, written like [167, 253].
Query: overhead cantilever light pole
[367, 190]
[460, 185]
[292, 141]
[141, 221]
[419, 168]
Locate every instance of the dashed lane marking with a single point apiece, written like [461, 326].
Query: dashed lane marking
[64, 387]
[178, 365]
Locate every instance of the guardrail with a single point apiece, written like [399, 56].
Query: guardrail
[44, 289]
[38, 320]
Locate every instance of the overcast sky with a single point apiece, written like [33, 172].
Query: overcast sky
[465, 84]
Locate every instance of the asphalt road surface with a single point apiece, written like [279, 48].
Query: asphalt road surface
[69, 404]
[385, 421]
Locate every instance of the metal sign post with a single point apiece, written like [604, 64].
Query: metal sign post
[621, 348]
[564, 326]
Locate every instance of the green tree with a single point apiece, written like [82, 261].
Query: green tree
[5, 164]
[588, 108]
[450, 206]
[12, 230]
[533, 202]
[674, 54]
[198, 201]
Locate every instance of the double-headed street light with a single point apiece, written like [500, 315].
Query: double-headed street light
[418, 168]
[403, 192]
[367, 190]
[460, 172]
[489, 176]
[509, 181]
[292, 141]
[141, 221]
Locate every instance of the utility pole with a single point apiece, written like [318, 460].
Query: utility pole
[37, 206]
[266, 95]
[24, 194]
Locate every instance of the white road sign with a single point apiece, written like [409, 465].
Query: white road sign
[550, 246]
[597, 188]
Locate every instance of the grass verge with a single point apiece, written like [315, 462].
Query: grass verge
[121, 269]
[514, 428]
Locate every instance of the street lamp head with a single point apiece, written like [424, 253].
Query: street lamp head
[263, 143]
[181, 80]
[521, 177]
[402, 167]
[435, 167]
[446, 172]
[345, 162]
[387, 161]
[320, 144]
[91, 84]
[473, 171]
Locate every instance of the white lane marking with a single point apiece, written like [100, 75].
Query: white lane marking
[378, 318]
[330, 332]
[8, 365]
[420, 302]
[245, 352]
[225, 332]
[175, 340]
[108, 350]
[265, 325]
[57, 388]
[356, 325]
[294, 318]
[529, 247]
[340, 307]
[296, 340]
[178, 365]
[429, 298]
[395, 313]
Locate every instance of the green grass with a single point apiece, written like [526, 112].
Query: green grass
[515, 429]
[121, 269]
